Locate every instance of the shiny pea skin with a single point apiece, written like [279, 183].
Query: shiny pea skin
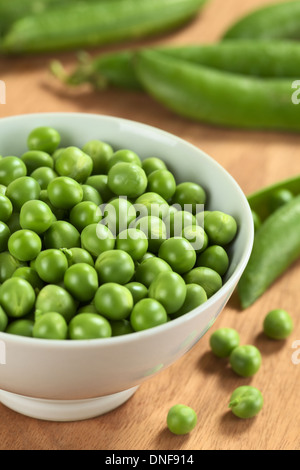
[224, 341]
[96, 239]
[121, 327]
[126, 179]
[152, 204]
[54, 298]
[35, 159]
[214, 257]
[134, 242]
[51, 265]
[24, 245]
[62, 234]
[51, 325]
[195, 296]
[78, 255]
[163, 183]
[89, 326]
[278, 325]
[44, 175]
[22, 190]
[45, 139]
[207, 278]
[11, 168]
[138, 291]
[113, 301]
[6, 208]
[81, 280]
[246, 402]
[152, 164]
[75, 164]
[22, 327]
[179, 254]
[91, 194]
[8, 265]
[31, 276]
[190, 196]
[85, 213]
[245, 360]
[17, 297]
[221, 228]
[181, 419]
[100, 183]
[169, 289]
[115, 266]
[149, 269]
[3, 320]
[124, 156]
[148, 313]
[64, 192]
[100, 153]
[36, 216]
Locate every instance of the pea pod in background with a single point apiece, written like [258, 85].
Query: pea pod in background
[275, 21]
[217, 97]
[88, 24]
[266, 59]
[276, 247]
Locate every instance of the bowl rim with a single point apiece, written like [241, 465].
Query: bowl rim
[137, 336]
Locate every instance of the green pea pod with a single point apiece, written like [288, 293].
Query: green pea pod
[216, 97]
[276, 21]
[269, 59]
[85, 24]
[276, 247]
[259, 201]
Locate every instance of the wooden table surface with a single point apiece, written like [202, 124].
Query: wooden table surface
[254, 159]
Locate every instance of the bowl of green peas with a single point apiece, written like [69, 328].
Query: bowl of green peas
[120, 245]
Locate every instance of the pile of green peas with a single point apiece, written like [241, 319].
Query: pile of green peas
[97, 243]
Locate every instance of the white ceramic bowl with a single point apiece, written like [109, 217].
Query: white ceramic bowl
[65, 381]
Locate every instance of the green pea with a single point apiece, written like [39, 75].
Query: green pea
[6, 208]
[8, 265]
[124, 156]
[246, 402]
[152, 204]
[154, 229]
[163, 183]
[113, 301]
[84, 214]
[149, 269]
[100, 153]
[44, 175]
[153, 164]
[4, 236]
[3, 320]
[64, 193]
[74, 163]
[121, 327]
[196, 236]
[119, 214]
[279, 198]
[51, 325]
[36, 216]
[62, 234]
[2, 189]
[54, 298]
[195, 296]
[35, 159]
[96, 239]
[59, 214]
[138, 291]
[179, 254]
[169, 289]
[207, 278]
[17, 297]
[115, 266]
[51, 265]
[11, 168]
[181, 419]
[31, 276]
[245, 360]
[221, 228]
[126, 179]
[134, 242]
[45, 139]
[24, 245]
[214, 257]
[89, 326]
[190, 196]
[81, 281]
[147, 256]
[90, 308]
[224, 341]
[91, 194]
[22, 327]
[146, 314]
[177, 222]
[22, 190]
[78, 255]
[100, 183]
[278, 324]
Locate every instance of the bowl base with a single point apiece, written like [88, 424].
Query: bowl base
[64, 410]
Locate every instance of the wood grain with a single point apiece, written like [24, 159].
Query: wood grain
[255, 159]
